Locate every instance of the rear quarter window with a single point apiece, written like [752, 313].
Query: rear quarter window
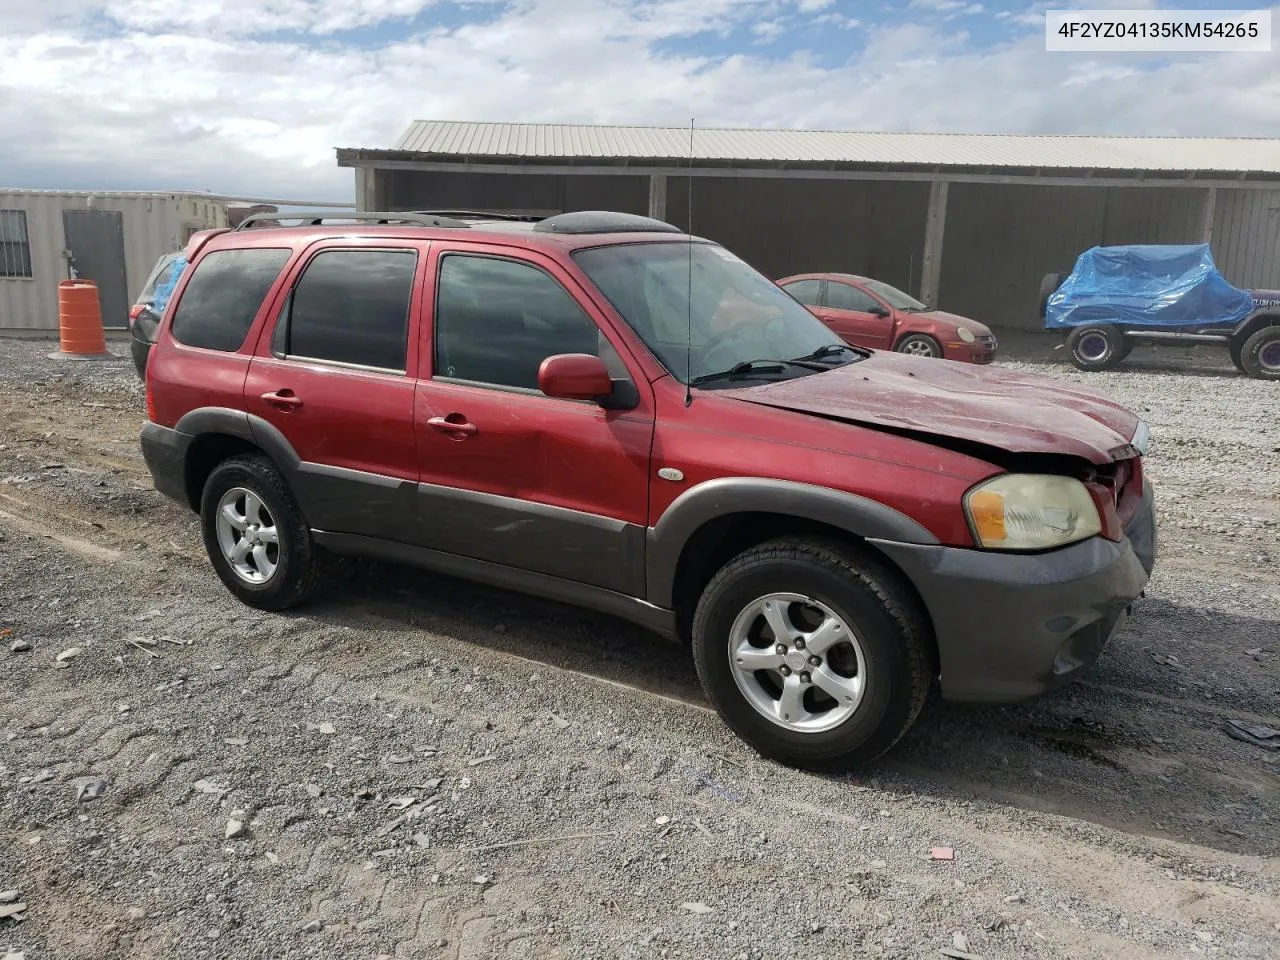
[223, 296]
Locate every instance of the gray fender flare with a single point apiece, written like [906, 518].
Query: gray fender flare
[698, 505]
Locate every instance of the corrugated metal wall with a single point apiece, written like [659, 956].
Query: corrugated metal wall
[783, 227]
[1246, 237]
[152, 225]
[1000, 240]
[407, 190]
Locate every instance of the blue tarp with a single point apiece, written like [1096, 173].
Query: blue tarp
[1147, 286]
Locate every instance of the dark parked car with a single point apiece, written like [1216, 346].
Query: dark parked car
[871, 313]
[144, 315]
[601, 410]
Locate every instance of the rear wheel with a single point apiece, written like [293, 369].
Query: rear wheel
[1096, 347]
[140, 351]
[255, 535]
[813, 653]
[1260, 355]
[919, 345]
[1050, 283]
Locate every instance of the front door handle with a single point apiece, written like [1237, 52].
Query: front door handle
[455, 425]
[284, 399]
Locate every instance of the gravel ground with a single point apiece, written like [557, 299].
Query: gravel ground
[417, 767]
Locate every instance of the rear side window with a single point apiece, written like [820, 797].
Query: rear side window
[352, 306]
[806, 291]
[223, 296]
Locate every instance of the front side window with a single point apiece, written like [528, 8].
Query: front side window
[496, 320]
[805, 291]
[730, 315]
[352, 306]
[223, 296]
[842, 296]
[15, 245]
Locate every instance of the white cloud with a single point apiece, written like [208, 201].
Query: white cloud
[813, 6]
[171, 106]
[766, 31]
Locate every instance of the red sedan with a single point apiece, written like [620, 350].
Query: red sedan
[870, 313]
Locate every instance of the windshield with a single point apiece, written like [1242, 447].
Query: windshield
[737, 315]
[893, 296]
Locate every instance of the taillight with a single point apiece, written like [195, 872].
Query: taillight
[151, 399]
[135, 310]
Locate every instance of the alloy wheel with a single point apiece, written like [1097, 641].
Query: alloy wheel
[797, 662]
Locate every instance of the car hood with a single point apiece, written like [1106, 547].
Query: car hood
[941, 316]
[1015, 412]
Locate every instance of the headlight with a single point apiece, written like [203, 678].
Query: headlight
[1025, 511]
[1141, 438]
[964, 334]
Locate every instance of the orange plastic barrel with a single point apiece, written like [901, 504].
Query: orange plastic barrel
[80, 319]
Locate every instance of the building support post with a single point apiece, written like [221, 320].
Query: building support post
[934, 228]
[658, 196]
[366, 193]
[1210, 208]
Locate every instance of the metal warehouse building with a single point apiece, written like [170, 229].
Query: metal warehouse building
[113, 239]
[970, 223]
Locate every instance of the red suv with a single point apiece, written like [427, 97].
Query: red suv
[870, 313]
[600, 410]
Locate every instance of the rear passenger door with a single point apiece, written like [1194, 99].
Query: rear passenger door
[510, 475]
[334, 376]
[854, 315]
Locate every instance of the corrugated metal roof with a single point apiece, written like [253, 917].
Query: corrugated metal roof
[580, 141]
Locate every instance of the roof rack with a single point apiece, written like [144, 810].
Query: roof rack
[602, 221]
[483, 215]
[314, 218]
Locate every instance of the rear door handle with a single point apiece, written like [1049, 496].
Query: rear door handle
[454, 424]
[283, 399]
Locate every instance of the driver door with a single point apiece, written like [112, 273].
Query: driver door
[856, 316]
[507, 474]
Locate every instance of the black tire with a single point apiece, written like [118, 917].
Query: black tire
[1050, 283]
[869, 598]
[297, 563]
[141, 351]
[1260, 355]
[1096, 347]
[1234, 347]
[915, 344]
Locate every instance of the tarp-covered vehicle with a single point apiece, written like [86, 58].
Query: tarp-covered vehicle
[1117, 297]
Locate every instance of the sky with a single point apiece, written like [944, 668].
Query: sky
[251, 97]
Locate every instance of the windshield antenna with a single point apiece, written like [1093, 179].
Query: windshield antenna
[688, 343]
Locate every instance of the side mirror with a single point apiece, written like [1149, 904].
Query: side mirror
[878, 311]
[575, 376]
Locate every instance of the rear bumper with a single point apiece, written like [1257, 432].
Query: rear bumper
[1010, 627]
[165, 452]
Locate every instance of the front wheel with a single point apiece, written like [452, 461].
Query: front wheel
[812, 652]
[1096, 347]
[1260, 355]
[255, 535]
[919, 345]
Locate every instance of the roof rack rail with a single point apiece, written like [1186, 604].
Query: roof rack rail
[483, 215]
[602, 221]
[314, 218]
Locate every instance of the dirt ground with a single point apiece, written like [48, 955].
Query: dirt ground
[416, 767]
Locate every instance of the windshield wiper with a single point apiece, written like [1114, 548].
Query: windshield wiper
[747, 367]
[828, 350]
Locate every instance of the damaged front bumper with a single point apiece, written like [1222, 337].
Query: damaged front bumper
[1009, 627]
